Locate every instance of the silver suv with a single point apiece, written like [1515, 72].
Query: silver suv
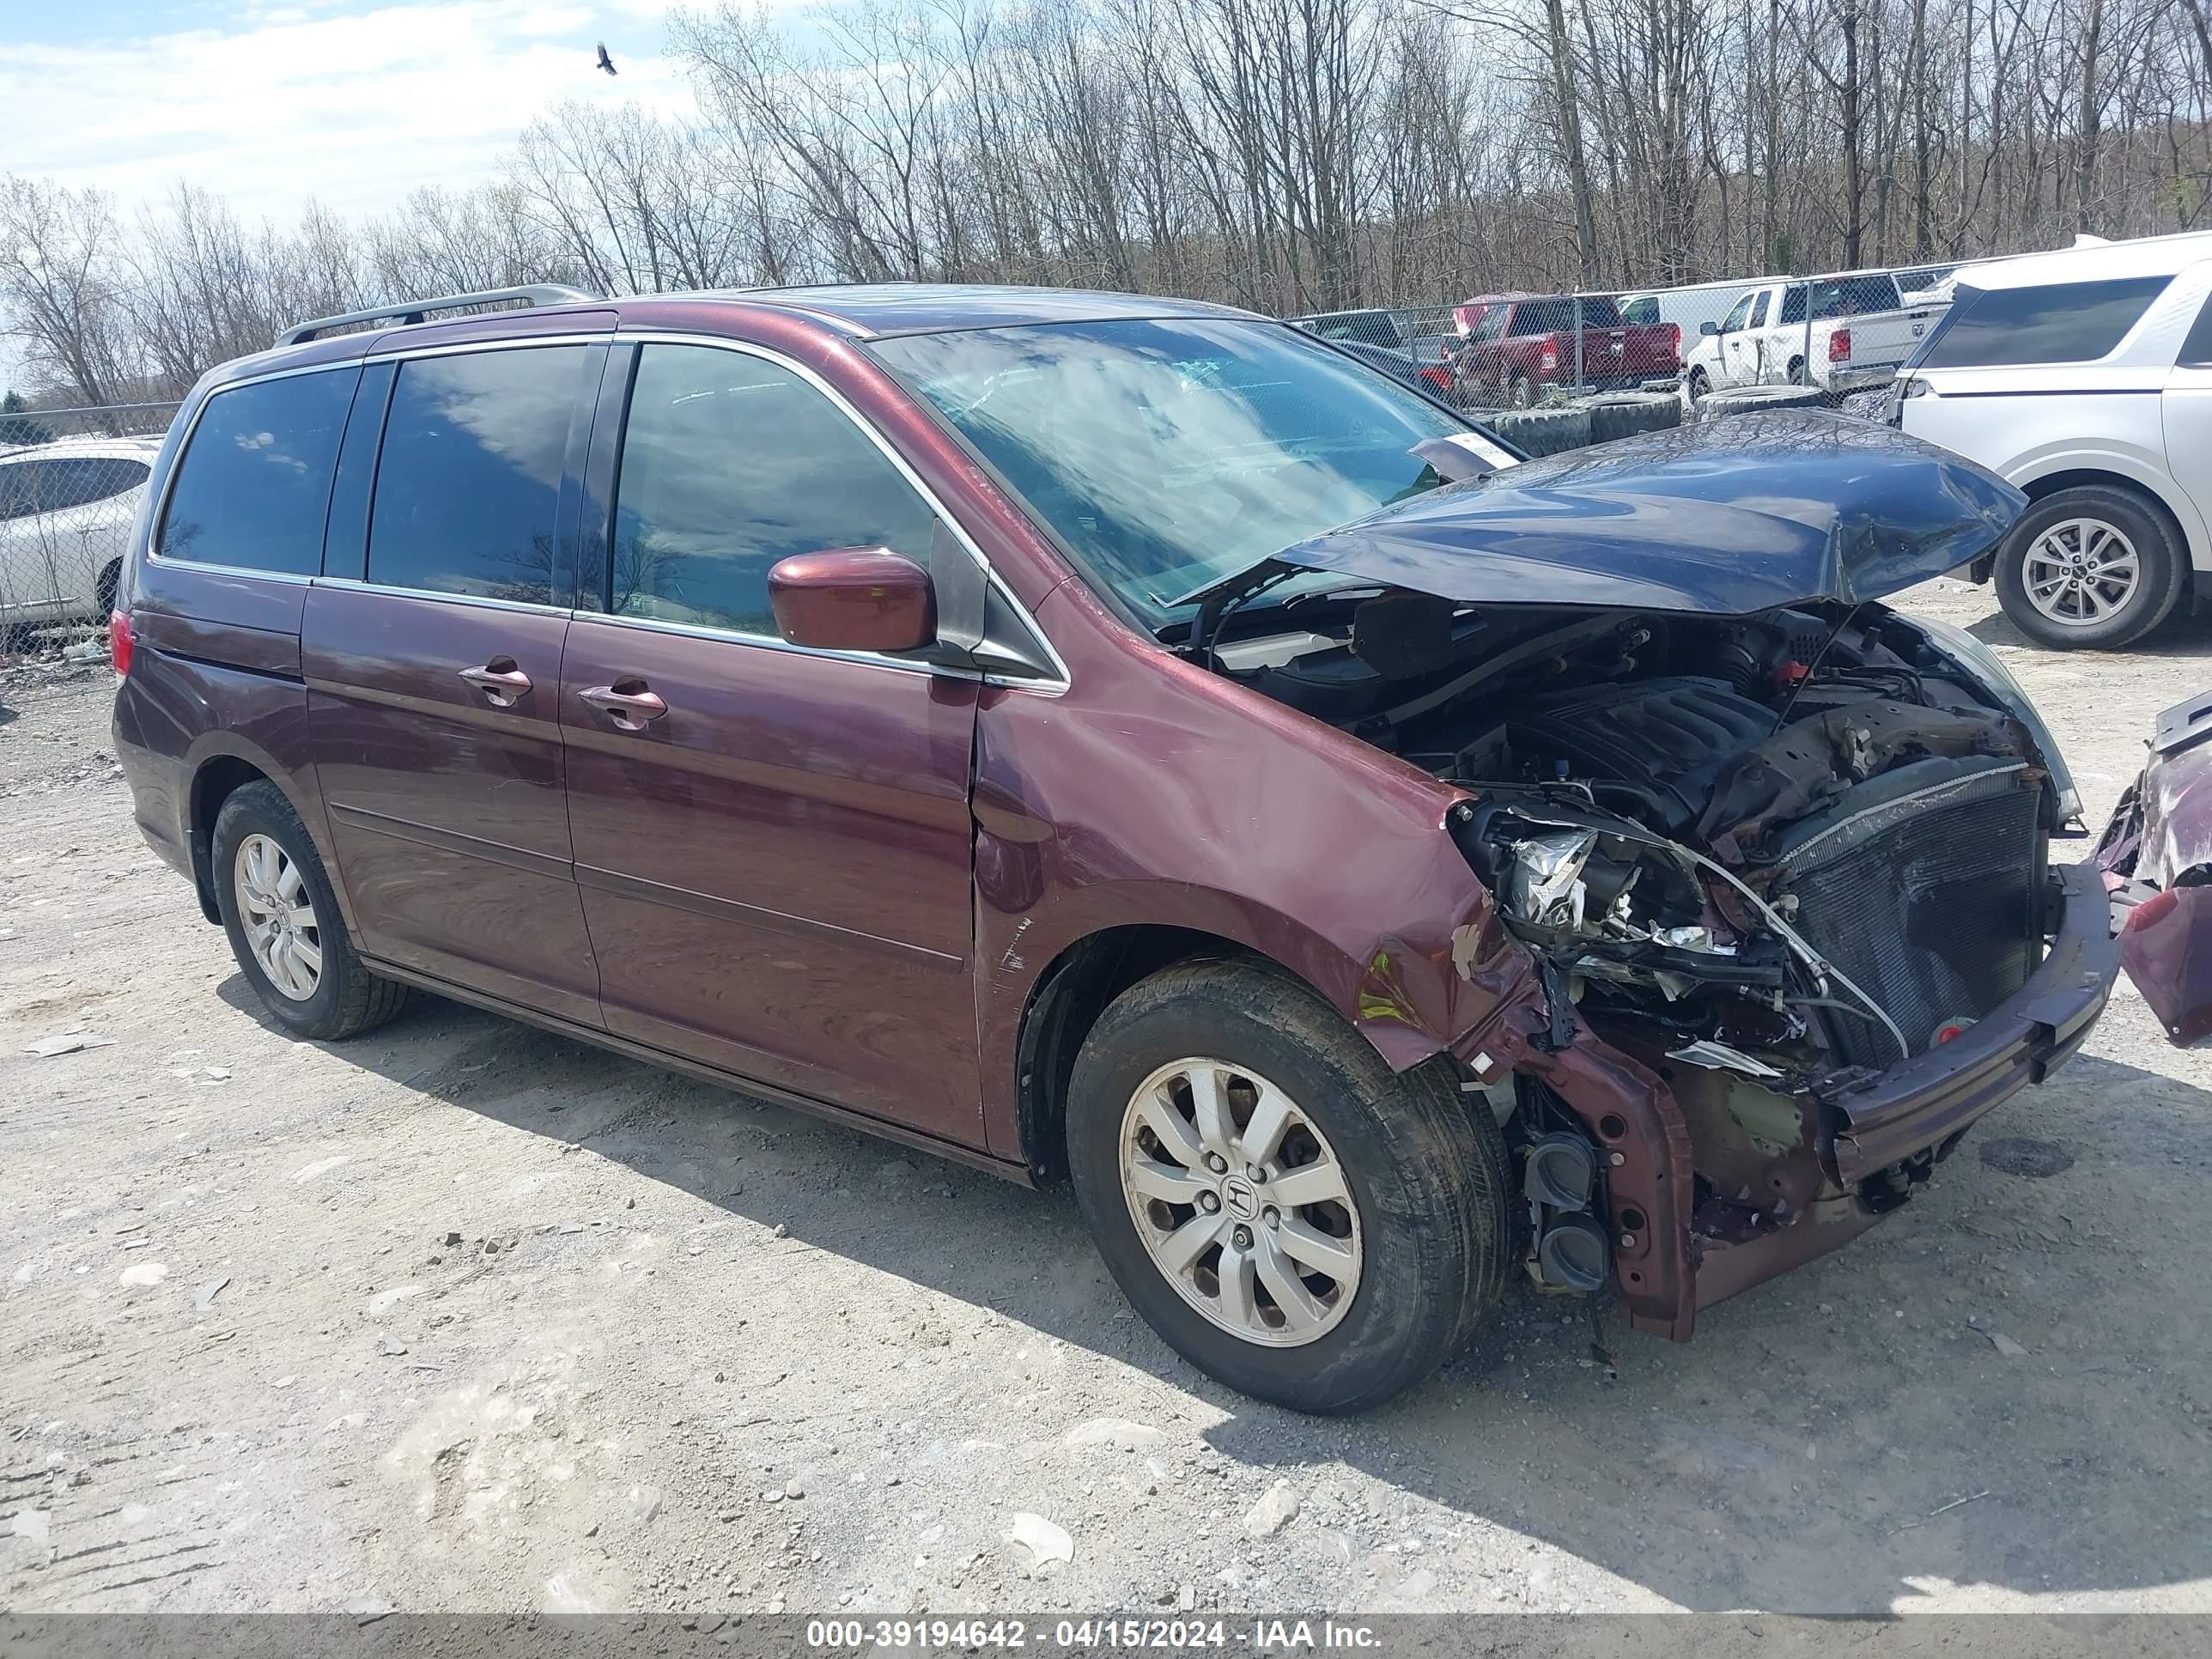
[2085, 378]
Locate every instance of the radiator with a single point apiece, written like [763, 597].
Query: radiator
[1924, 886]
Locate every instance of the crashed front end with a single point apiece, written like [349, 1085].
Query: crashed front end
[1810, 992]
[1782, 869]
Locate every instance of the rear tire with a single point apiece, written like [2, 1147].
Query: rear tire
[1423, 1169]
[2103, 527]
[267, 878]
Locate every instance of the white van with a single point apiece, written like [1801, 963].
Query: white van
[2085, 378]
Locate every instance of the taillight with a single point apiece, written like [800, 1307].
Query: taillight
[1839, 345]
[1439, 377]
[1675, 339]
[119, 643]
[1549, 358]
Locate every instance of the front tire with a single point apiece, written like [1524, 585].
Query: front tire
[2091, 568]
[285, 928]
[1290, 1216]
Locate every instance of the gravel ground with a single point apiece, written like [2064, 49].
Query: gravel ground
[465, 1316]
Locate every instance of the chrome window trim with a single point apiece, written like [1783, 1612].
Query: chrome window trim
[289, 578]
[481, 601]
[771, 642]
[400, 353]
[745, 348]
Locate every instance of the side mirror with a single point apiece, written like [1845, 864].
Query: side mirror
[854, 598]
[1708, 327]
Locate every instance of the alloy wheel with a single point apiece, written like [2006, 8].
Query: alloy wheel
[277, 915]
[2081, 572]
[1241, 1202]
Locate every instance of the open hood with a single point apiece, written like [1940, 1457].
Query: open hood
[1726, 517]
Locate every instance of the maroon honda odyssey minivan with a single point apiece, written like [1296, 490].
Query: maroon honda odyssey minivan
[1129, 742]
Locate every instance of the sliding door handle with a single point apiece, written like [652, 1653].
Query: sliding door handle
[627, 703]
[502, 683]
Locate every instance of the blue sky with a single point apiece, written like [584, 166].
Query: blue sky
[351, 103]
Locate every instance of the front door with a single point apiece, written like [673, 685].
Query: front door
[774, 845]
[1744, 347]
[434, 675]
[1731, 347]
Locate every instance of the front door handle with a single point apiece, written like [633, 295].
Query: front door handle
[626, 703]
[501, 682]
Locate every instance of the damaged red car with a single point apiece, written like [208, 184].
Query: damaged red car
[1130, 742]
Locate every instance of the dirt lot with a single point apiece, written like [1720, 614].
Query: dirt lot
[506, 1323]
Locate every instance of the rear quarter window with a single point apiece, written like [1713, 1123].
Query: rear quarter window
[2061, 322]
[254, 485]
[2196, 350]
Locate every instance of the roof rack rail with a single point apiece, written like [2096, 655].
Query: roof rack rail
[414, 311]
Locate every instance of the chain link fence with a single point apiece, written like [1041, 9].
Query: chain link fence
[70, 484]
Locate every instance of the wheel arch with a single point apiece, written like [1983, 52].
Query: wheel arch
[219, 771]
[1066, 1002]
[2159, 496]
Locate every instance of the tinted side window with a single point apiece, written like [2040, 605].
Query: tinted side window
[468, 484]
[22, 489]
[1543, 316]
[114, 477]
[1599, 311]
[254, 485]
[1793, 304]
[729, 463]
[2196, 350]
[1737, 312]
[1758, 311]
[81, 480]
[2065, 323]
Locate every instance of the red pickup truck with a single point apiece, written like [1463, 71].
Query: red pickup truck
[1517, 344]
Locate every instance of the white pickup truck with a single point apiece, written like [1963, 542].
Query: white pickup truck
[1840, 333]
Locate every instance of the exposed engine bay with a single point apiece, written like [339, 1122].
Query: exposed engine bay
[1667, 805]
[1760, 854]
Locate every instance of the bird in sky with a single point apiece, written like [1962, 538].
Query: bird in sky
[605, 62]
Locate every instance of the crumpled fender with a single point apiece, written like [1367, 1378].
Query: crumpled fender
[2156, 854]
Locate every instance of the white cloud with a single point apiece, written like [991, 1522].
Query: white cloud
[295, 100]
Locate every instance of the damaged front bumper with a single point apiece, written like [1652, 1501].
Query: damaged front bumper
[1926, 1101]
[1815, 1167]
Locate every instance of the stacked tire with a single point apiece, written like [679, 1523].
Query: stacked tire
[1538, 431]
[1742, 400]
[1624, 414]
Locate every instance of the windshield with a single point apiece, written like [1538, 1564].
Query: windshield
[1168, 453]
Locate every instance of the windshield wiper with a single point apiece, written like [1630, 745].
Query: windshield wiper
[1217, 598]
